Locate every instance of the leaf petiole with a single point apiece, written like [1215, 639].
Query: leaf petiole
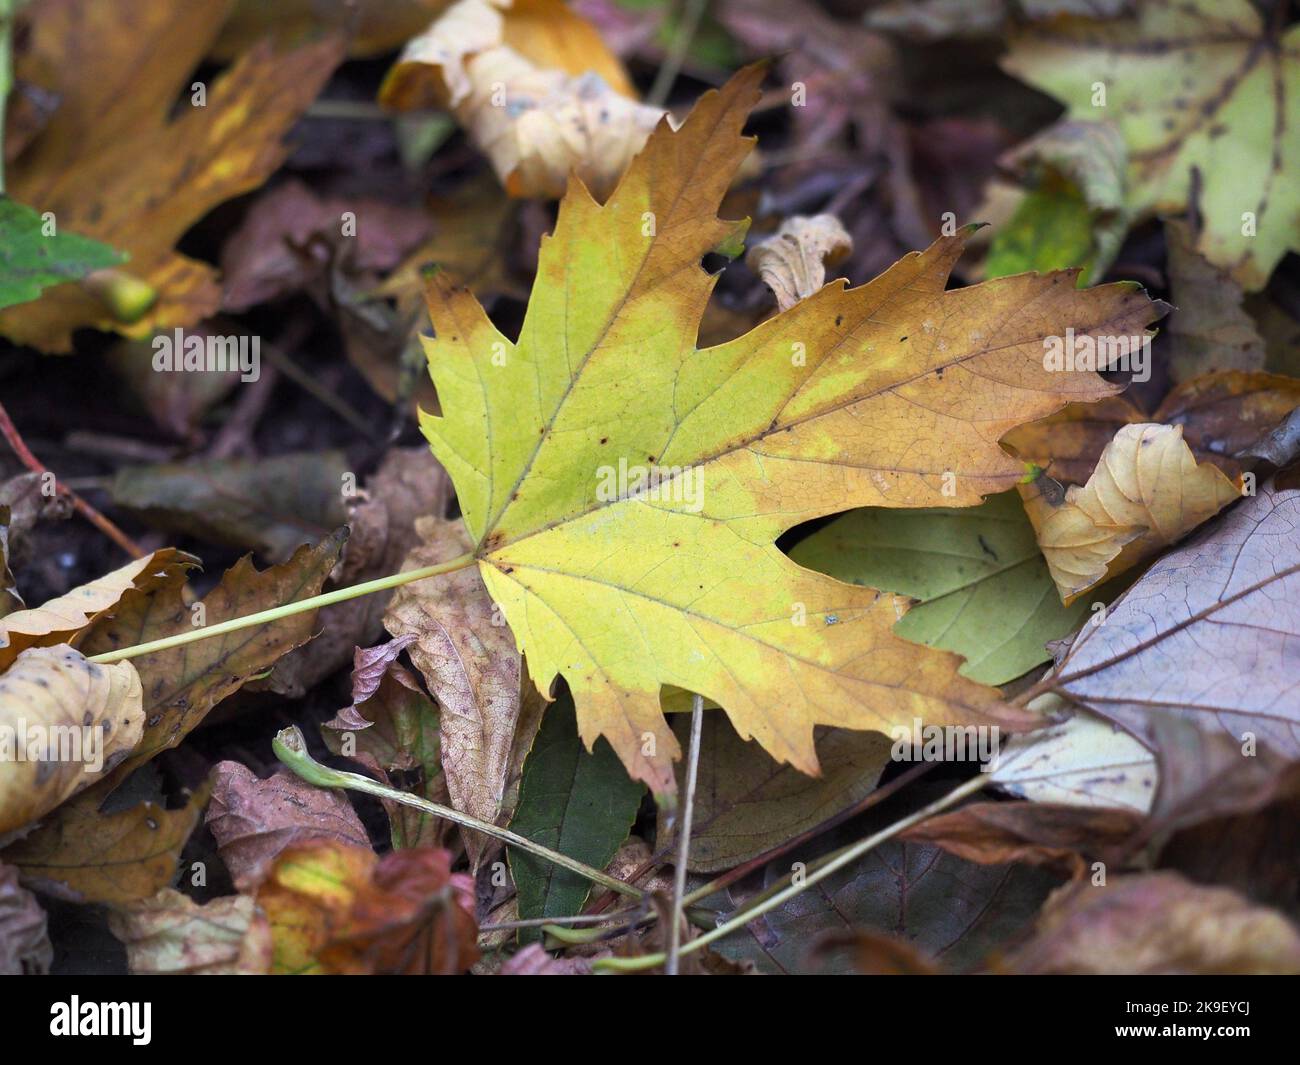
[265, 617]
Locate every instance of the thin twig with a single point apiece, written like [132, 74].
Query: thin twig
[846, 857]
[692, 13]
[684, 834]
[25, 456]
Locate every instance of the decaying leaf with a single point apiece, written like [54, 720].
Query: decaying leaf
[115, 109]
[181, 684]
[254, 820]
[625, 510]
[535, 87]
[395, 733]
[340, 908]
[1204, 86]
[24, 943]
[1210, 330]
[1157, 923]
[81, 854]
[469, 660]
[64, 723]
[745, 803]
[170, 934]
[1147, 492]
[793, 260]
[1207, 635]
[54, 622]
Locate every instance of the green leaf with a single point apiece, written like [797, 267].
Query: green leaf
[30, 261]
[577, 803]
[984, 587]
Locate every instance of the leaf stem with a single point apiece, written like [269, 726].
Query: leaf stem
[6, 74]
[846, 857]
[264, 617]
[684, 835]
[290, 747]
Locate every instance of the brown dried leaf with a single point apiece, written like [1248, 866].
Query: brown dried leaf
[171, 934]
[1206, 636]
[1155, 924]
[181, 684]
[83, 855]
[59, 619]
[254, 820]
[468, 658]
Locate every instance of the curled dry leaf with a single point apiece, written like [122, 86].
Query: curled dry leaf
[395, 734]
[468, 658]
[61, 618]
[1146, 492]
[81, 854]
[169, 934]
[24, 942]
[1154, 924]
[84, 166]
[254, 820]
[619, 521]
[64, 723]
[792, 261]
[343, 909]
[532, 960]
[534, 86]
[1207, 635]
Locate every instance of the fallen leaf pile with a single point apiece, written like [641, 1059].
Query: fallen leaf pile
[464, 510]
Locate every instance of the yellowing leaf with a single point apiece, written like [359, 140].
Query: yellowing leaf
[114, 165]
[63, 722]
[625, 490]
[534, 86]
[1146, 492]
[1203, 86]
[56, 621]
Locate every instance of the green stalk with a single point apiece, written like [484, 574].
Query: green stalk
[290, 747]
[847, 857]
[7, 9]
[265, 617]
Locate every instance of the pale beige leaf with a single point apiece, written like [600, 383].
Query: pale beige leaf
[63, 722]
[171, 934]
[468, 657]
[1146, 492]
[792, 262]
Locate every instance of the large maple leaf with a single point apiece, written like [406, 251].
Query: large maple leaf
[886, 394]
